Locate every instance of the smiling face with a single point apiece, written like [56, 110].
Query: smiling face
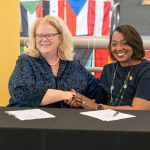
[47, 39]
[120, 49]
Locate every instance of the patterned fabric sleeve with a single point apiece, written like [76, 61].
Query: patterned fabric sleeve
[92, 84]
[22, 87]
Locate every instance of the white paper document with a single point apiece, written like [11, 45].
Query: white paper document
[29, 114]
[107, 115]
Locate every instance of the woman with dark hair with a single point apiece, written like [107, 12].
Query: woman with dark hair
[124, 84]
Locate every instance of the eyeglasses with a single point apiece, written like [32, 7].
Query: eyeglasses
[49, 36]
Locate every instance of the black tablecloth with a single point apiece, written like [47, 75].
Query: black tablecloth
[72, 131]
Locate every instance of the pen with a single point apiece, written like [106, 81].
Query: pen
[116, 113]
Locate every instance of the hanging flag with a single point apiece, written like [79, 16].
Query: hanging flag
[83, 17]
[30, 5]
[147, 54]
[30, 10]
[98, 17]
[74, 13]
[102, 28]
[83, 55]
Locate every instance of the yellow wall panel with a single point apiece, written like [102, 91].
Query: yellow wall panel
[9, 44]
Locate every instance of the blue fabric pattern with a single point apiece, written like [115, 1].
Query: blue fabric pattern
[32, 77]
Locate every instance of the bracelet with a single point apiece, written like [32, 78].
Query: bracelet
[100, 107]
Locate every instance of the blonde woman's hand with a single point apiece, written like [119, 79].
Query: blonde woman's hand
[72, 101]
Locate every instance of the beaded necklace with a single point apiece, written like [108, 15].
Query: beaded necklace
[123, 88]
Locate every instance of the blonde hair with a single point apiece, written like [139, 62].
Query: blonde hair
[65, 49]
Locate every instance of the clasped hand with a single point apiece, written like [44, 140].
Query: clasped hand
[80, 101]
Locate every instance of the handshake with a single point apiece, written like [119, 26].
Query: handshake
[80, 101]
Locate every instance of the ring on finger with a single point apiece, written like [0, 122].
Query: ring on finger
[83, 102]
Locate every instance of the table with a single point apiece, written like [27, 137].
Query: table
[72, 131]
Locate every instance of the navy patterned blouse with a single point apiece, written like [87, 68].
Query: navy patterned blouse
[32, 77]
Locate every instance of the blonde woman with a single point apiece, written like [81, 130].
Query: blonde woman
[46, 73]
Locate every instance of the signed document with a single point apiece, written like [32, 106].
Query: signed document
[107, 115]
[29, 114]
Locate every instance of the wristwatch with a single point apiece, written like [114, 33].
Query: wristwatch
[100, 107]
